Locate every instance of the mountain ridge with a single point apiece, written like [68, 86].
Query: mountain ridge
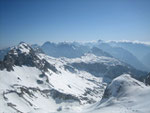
[64, 83]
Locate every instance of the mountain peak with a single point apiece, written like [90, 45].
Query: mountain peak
[100, 41]
[23, 48]
[121, 84]
[48, 42]
[22, 54]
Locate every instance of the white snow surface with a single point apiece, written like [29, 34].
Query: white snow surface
[71, 83]
[91, 58]
[132, 98]
[24, 77]
[23, 47]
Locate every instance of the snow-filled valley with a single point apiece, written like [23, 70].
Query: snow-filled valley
[33, 82]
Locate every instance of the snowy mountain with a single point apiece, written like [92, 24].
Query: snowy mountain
[32, 82]
[124, 95]
[3, 52]
[28, 78]
[140, 50]
[146, 60]
[122, 54]
[99, 48]
[64, 49]
[106, 67]
[98, 52]
[37, 48]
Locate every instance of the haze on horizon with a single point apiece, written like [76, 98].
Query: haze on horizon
[73, 20]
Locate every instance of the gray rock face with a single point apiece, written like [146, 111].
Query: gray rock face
[61, 97]
[23, 54]
[74, 50]
[42, 82]
[111, 72]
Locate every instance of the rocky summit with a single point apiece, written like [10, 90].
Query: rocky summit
[32, 82]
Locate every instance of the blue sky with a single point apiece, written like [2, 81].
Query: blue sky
[37, 21]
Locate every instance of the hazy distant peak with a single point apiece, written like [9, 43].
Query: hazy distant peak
[100, 41]
[129, 42]
[48, 42]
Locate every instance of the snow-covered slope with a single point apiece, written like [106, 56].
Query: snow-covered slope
[27, 79]
[100, 48]
[33, 82]
[120, 86]
[125, 95]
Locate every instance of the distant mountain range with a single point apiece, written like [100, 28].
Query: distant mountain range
[32, 81]
[140, 50]
[124, 54]
[134, 54]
